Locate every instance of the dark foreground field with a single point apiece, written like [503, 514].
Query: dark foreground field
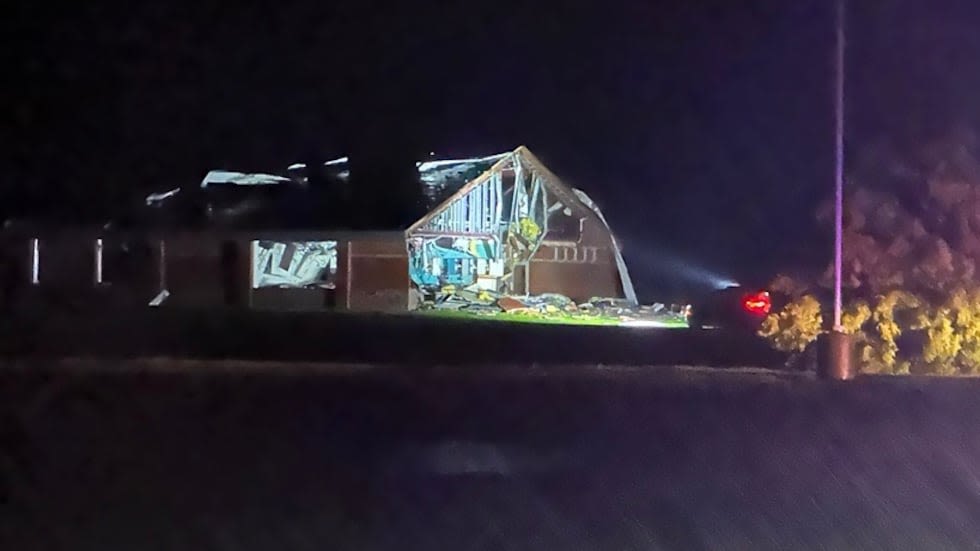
[380, 339]
[165, 455]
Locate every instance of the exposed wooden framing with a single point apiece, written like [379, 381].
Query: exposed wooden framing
[349, 279]
[472, 207]
[469, 214]
[544, 214]
[97, 275]
[520, 192]
[515, 197]
[535, 193]
[498, 182]
[479, 215]
[35, 261]
[251, 272]
[162, 265]
[440, 209]
[544, 210]
[486, 216]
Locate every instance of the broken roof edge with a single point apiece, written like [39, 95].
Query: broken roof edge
[332, 162]
[424, 166]
[499, 164]
[624, 275]
[583, 198]
[157, 197]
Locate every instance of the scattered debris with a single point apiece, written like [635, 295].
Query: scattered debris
[509, 304]
[554, 307]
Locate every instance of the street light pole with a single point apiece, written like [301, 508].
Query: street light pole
[837, 347]
[839, 167]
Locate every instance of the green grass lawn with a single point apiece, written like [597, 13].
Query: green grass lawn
[561, 318]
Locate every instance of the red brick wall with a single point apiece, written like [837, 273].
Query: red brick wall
[579, 270]
[378, 275]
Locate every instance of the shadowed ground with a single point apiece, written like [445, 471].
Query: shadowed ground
[383, 339]
[165, 455]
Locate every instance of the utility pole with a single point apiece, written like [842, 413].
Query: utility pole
[836, 362]
[839, 166]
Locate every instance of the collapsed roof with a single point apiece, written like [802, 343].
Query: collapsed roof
[439, 179]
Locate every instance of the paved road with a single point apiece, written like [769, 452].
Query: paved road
[620, 458]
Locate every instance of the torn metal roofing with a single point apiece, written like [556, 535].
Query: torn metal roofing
[241, 178]
[155, 199]
[443, 178]
[440, 178]
[334, 162]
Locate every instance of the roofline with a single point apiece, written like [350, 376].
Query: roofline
[428, 165]
[87, 231]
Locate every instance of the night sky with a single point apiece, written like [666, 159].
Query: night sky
[703, 129]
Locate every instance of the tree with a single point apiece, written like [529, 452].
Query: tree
[911, 249]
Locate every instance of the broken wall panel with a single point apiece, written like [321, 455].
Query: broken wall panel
[437, 262]
[295, 264]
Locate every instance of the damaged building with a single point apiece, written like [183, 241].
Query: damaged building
[510, 226]
[497, 226]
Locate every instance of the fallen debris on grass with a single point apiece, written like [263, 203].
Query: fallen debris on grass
[553, 308]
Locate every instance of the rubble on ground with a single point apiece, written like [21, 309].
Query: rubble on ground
[482, 302]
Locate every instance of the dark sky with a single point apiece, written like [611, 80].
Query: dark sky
[704, 129]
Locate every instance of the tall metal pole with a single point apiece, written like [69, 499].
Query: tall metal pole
[839, 168]
[837, 358]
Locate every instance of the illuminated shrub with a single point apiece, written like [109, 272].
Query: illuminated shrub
[854, 316]
[967, 324]
[953, 329]
[878, 345]
[795, 326]
[949, 331]
[943, 344]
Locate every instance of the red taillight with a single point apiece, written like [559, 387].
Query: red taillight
[757, 303]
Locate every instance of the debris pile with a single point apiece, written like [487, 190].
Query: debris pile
[553, 306]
